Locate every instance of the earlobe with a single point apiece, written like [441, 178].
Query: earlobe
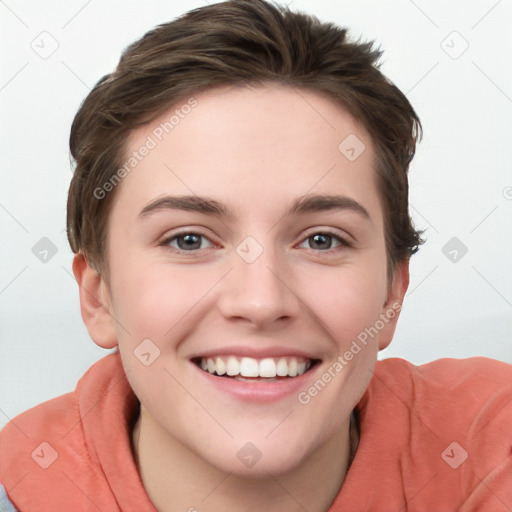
[94, 303]
[393, 305]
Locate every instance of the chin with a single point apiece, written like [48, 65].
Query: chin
[261, 458]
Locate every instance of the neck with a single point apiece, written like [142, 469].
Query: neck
[177, 479]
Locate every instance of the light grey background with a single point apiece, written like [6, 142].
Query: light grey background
[461, 178]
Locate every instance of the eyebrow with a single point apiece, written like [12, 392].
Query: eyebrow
[324, 202]
[306, 204]
[188, 203]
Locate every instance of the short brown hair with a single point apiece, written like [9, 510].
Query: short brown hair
[238, 42]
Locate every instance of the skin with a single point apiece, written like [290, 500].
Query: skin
[256, 150]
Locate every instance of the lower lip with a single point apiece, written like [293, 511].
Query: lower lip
[259, 391]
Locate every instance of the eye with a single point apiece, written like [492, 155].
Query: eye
[324, 241]
[187, 241]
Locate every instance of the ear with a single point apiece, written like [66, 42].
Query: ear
[393, 305]
[95, 303]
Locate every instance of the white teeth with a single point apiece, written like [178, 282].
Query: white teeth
[232, 366]
[292, 368]
[250, 367]
[267, 368]
[282, 367]
[220, 366]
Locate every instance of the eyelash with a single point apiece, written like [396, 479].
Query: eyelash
[343, 243]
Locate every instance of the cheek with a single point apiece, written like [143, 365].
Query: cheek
[346, 300]
[347, 304]
[158, 301]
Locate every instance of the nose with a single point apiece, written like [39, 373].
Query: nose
[259, 292]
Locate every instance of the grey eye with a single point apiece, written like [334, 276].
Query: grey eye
[323, 241]
[187, 241]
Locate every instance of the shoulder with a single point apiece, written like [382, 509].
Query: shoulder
[55, 418]
[448, 371]
[471, 391]
[46, 420]
[474, 378]
[44, 443]
[32, 442]
[455, 417]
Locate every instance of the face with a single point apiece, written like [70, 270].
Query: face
[246, 258]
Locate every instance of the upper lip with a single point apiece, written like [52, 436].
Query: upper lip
[254, 352]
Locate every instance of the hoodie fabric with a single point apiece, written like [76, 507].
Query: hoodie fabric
[436, 437]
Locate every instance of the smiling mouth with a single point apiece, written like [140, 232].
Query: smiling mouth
[267, 369]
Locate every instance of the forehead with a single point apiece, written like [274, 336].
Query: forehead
[274, 142]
